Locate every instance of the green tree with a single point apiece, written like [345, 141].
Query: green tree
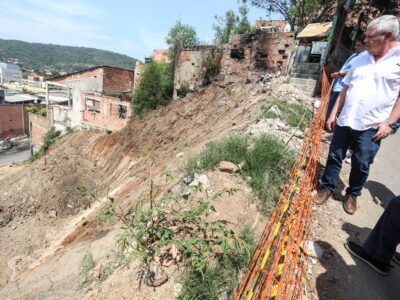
[231, 23]
[244, 24]
[154, 89]
[298, 12]
[181, 36]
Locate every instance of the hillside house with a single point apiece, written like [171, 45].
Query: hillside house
[10, 73]
[98, 97]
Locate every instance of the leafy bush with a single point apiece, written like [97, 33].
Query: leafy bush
[150, 231]
[266, 161]
[222, 277]
[231, 23]
[183, 90]
[294, 114]
[49, 139]
[177, 230]
[34, 110]
[212, 67]
[31, 109]
[155, 88]
[42, 112]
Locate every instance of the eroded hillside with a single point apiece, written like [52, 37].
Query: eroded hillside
[49, 208]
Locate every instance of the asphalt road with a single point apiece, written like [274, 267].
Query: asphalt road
[14, 155]
[345, 277]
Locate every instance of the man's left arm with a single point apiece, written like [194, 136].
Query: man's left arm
[385, 128]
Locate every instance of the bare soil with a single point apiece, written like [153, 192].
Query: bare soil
[49, 208]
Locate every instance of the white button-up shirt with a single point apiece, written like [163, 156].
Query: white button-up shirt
[373, 90]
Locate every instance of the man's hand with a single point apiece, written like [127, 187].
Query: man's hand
[330, 123]
[383, 131]
[335, 75]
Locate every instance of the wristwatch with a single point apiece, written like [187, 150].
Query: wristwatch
[390, 123]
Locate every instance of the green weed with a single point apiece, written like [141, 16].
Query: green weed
[87, 264]
[49, 139]
[266, 162]
[222, 277]
[234, 149]
[289, 112]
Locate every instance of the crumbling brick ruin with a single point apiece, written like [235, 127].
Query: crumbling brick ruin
[245, 53]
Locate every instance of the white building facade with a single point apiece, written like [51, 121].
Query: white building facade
[10, 73]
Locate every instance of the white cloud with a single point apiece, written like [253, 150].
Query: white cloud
[70, 8]
[51, 22]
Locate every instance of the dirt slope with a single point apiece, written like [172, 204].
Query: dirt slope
[49, 212]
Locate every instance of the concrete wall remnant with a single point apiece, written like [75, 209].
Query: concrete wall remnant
[244, 54]
[194, 65]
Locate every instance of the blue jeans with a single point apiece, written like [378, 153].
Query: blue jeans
[364, 151]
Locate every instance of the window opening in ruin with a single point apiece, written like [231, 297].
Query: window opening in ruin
[237, 53]
[122, 111]
[92, 105]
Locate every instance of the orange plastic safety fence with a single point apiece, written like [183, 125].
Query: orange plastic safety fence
[277, 267]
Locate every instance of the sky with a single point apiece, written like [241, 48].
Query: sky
[132, 27]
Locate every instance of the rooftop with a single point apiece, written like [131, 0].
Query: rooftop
[315, 30]
[20, 98]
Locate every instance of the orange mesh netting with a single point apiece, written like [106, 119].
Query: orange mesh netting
[277, 267]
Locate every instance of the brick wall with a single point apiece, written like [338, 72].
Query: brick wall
[161, 56]
[114, 79]
[237, 57]
[117, 79]
[263, 51]
[39, 126]
[273, 23]
[96, 72]
[107, 116]
[274, 50]
[14, 119]
[139, 67]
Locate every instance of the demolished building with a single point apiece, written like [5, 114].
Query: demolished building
[98, 97]
[263, 51]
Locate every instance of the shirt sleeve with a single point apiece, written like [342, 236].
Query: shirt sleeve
[347, 78]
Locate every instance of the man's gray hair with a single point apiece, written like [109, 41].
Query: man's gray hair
[386, 23]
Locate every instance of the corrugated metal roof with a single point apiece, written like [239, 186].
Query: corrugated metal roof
[316, 30]
[18, 98]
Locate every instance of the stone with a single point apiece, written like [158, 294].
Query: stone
[228, 167]
[177, 289]
[180, 154]
[188, 179]
[157, 277]
[312, 249]
[96, 272]
[199, 180]
[53, 213]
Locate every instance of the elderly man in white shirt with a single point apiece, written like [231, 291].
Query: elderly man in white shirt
[369, 107]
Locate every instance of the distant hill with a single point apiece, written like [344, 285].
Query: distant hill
[56, 58]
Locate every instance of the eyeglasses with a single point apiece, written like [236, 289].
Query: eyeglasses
[374, 35]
